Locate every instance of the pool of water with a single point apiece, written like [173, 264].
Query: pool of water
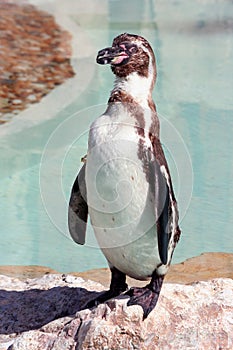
[194, 49]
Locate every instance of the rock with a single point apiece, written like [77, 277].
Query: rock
[32, 98]
[48, 313]
[35, 51]
[17, 102]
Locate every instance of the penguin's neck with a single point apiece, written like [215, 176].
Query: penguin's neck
[134, 91]
[139, 88]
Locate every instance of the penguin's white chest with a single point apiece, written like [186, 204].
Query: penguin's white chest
[116, 184]
[120, 203]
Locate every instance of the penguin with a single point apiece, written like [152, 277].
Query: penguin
[125, 185]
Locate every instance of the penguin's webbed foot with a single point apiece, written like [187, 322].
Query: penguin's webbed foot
[118, 285]
[147, 296]
[108, 294]
[144, 297]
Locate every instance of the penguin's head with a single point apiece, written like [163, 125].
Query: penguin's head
[128, 54]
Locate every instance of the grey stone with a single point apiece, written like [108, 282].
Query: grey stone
[49, 313]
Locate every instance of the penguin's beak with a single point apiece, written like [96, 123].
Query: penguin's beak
[112, 55]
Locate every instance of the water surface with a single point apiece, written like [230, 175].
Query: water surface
[194, 50]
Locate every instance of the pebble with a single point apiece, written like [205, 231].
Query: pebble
[17, 102]
[32, 98]
[34, 61]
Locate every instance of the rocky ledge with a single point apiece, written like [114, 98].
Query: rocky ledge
[48, 313]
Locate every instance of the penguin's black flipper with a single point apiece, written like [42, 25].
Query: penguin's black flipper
[163, 230]
[161, 187]
[78, 209]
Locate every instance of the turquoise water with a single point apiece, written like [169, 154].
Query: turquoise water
[194, 49]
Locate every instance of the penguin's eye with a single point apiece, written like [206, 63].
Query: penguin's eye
[133, 49]
[128, 47]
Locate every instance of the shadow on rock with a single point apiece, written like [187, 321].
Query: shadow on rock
[22, 311]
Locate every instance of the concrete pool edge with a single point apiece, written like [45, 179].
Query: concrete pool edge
[200, 268]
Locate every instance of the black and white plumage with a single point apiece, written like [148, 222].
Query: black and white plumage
[125, 185]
